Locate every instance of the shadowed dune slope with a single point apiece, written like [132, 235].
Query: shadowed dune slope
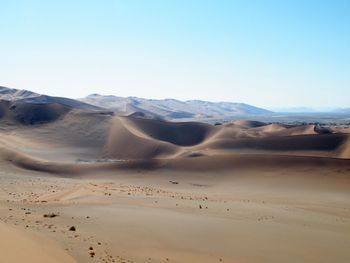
[4, 105]
[182, 134]
[38, 109]
[255, 162]
[329, 142]
[29, 114]
[15, 158]
[38, 113]
[249, 124]
[201, 163]
[248, 129]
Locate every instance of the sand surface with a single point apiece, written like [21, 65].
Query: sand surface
[17, 246]
[185, 217]
[95, 188]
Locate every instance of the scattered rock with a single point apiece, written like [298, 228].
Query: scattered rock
[50, 215]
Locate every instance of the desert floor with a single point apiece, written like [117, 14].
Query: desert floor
[243, 215]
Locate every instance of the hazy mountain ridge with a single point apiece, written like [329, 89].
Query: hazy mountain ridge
[28, 97]
[167, 109]
[15, 94]
[172, 108]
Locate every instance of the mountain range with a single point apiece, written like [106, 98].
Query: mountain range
[172, 109]
[167, 109]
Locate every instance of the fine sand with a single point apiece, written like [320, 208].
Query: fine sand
[91, 187]
[17, 246]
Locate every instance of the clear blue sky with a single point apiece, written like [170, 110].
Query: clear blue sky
[266, 53]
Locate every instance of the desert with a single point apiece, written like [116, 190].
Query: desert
[187, 131]
[81, 184]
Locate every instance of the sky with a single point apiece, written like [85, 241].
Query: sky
[265, 53]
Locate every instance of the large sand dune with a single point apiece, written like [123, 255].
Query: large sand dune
[101, 139]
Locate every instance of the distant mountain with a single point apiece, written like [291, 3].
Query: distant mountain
[15, 94]
[172, 109]
[168, 109]
[294, 109]
[24, 96]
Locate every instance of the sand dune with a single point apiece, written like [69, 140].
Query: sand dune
[322, 143]
[125, 142]
[279, 130]
[85, 140]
